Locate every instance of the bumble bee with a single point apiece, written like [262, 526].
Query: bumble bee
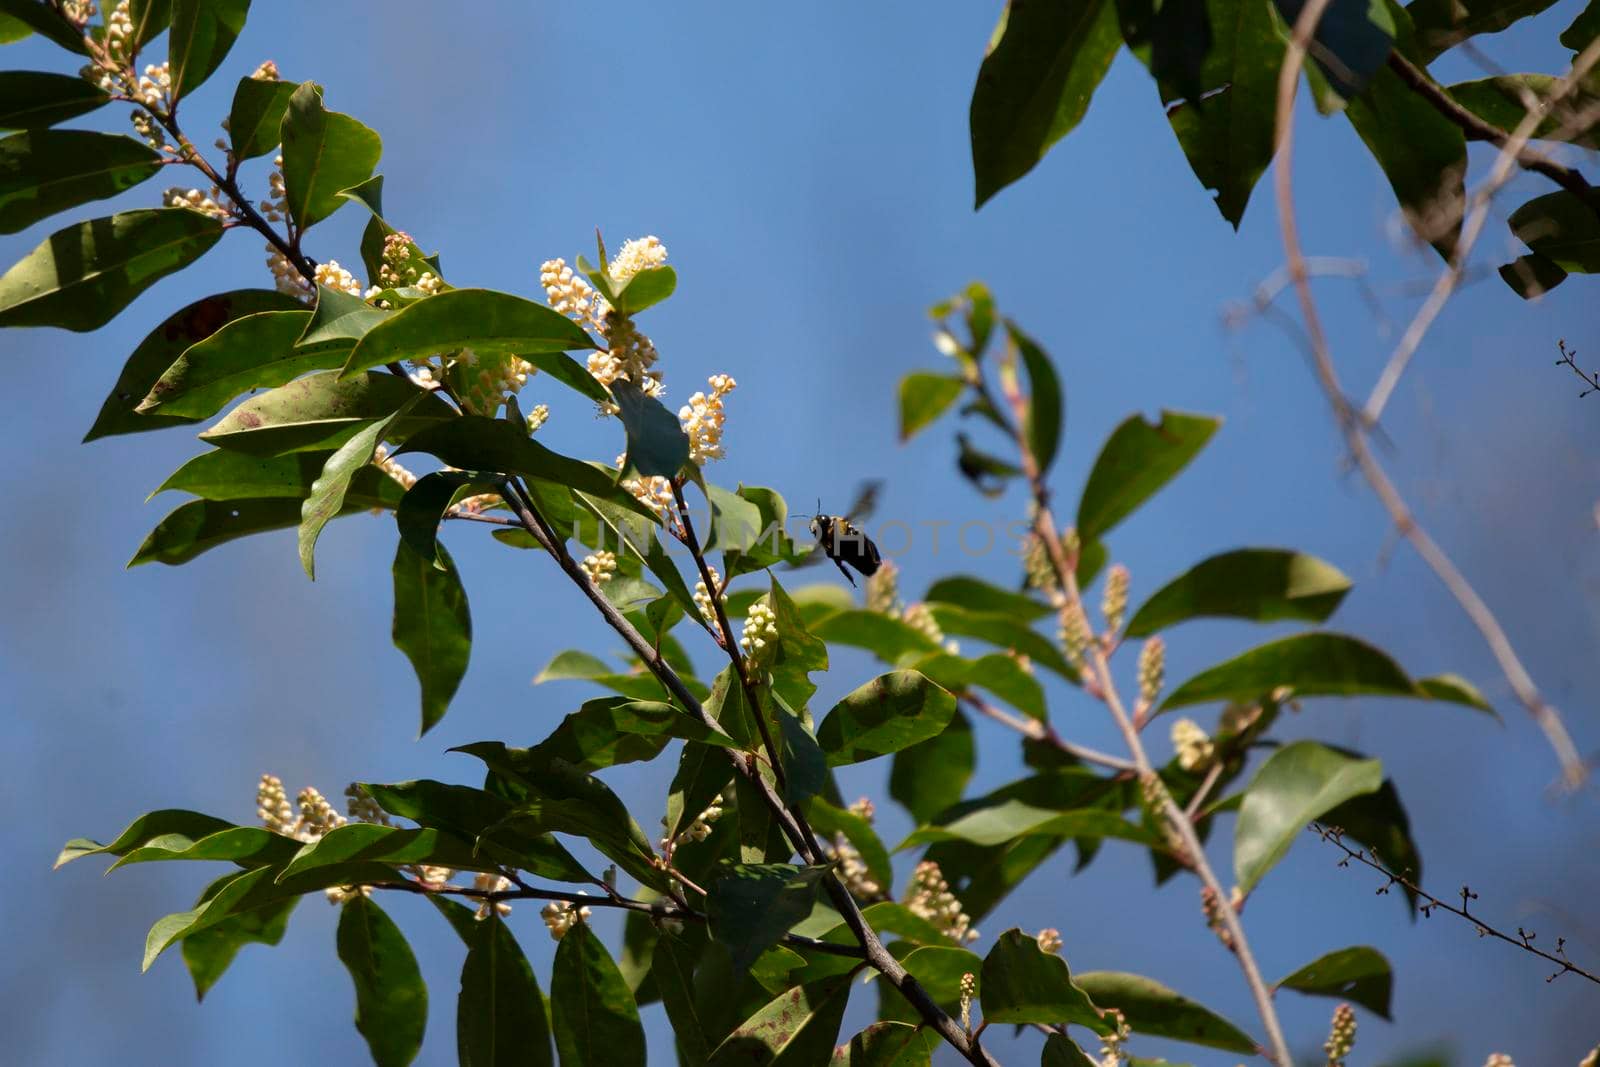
[842, 542]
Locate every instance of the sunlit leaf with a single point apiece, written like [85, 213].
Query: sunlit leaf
[1263, 584]
[1298, 783]
[324, 152]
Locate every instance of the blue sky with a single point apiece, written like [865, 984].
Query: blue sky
[808, 169]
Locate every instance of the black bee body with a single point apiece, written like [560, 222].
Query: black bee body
[842, 542]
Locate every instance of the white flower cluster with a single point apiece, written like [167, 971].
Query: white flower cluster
[334, 276]
[145, 126]
[571, 295]
[1114, 601]
[929, 897]
[853, 870]
[1342, 1038]
[285, 278]
[760, 628]
[78, 12]
[391, 466]
[153, 85]
[919, 617]
[1049, 940]
[560, 917]
[275, 208]
[1152, 670]
[703, 598]
[702, 419]
[1073, 633]
[1496, 1059]
[310, 818]
[883, 596]
[118, 41]
[654, 492]
[1113, 1046]
[267, 72]
[487, 882]
[698, 830]
[635, 255]
[195, 200]
[538, 417]
[1192, 745]
[600, 567]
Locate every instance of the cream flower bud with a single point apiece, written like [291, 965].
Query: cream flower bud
[600, 567]
[969, 989]
[488, 882]
[1114, 601]
[883, 589]
[760, 630]
[1049, 940]
[640, 253]
[929, 897]
[1192, 746]
[1342, 1037]
[1152, 670]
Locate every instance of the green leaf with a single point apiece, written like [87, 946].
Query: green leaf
[45, 20]
[672, 967]
[202, 33]
[1443, 24]
[323, 412]
[150, 18]
[147, 827]
[208, 953]
[80, 277]
[1006, 820]
[975, 594]
[1423, 154]
[987, 473]
[885, 1044]
[1456, 690]
[481, 319]
[572, 664]
[939, 968]
[33, 100]
[326, 498]
[1046, 408]
[432, 626]
[1262, 584]
[797, 1028]
[1352, 42]
[13, 30]
[339, 320]
[657, 445]
[248, 846]
[1561, 227]
[884, 636]
[1003, 631]
[1298, 783]
[1151, 1008]
[569, 372]
[163, 346]
[1311, 664]
[253, 352]
[199, 525]
[1499, 102]
[595, 1020]
[929, 777]
[1137, 460]
[324, 152]
[423, 507]
[1023, 984]
[829, 820]
[703, 774]
[1224, 121]
[1532, 275]
[753, 905]
[615, 730]
[1584, 28]
[889, 713]
[500, 1015]
[391, 1001]
[1043, 64]
[1379, 821]
[645, 289]
[385, 844]
[1062, 1051]
[924, 397]
[1361, 974]
[256, 118]
[222, 475]
[46, 171]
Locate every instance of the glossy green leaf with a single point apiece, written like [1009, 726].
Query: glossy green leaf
[223, 475]
[481, 319]
[199, 525]
[256, 119]
[673, 967]
[1046, 407]
[147, 827]
[1136, 461]
[888, 638]
[1007, 820]
[327, 496]
[569, 372]
[889, 713]
[391, 1000]
[828, 820]
[80, 277]
[500, 1014]
[1261, 584]
[928, 777]
[752, 905]
[33, 100]
[616, 730]
[924, 397]
[1023, 984]
[207, 954]
[1311, 664]
[1443, 24]
[323, 412]
[1561, 227]
[884, 1044]
[202, 33]
[975, 594]
[45, 20]
[1422, 153]
[248, 846]
[164, 345]
[385, 844]
[43, 172]
[150, 18]
[657, 444]
[1353, 39]
[339, 320]
[324, 152]
[645, 289]
[592, 1012]
[432, 626]
[253, 352]
[1151, 1008]
[422, 509]
[1003, 631]
[1062, 1051]
[1379, 821]
[1499, 101]
[1361, 974]
[1300, 782]
[797, 1028]
[1043, 64]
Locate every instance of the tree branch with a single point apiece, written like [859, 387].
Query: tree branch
[1045, 733]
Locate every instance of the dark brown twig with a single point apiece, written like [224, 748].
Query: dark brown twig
[1591, 381]
[1523, 939]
